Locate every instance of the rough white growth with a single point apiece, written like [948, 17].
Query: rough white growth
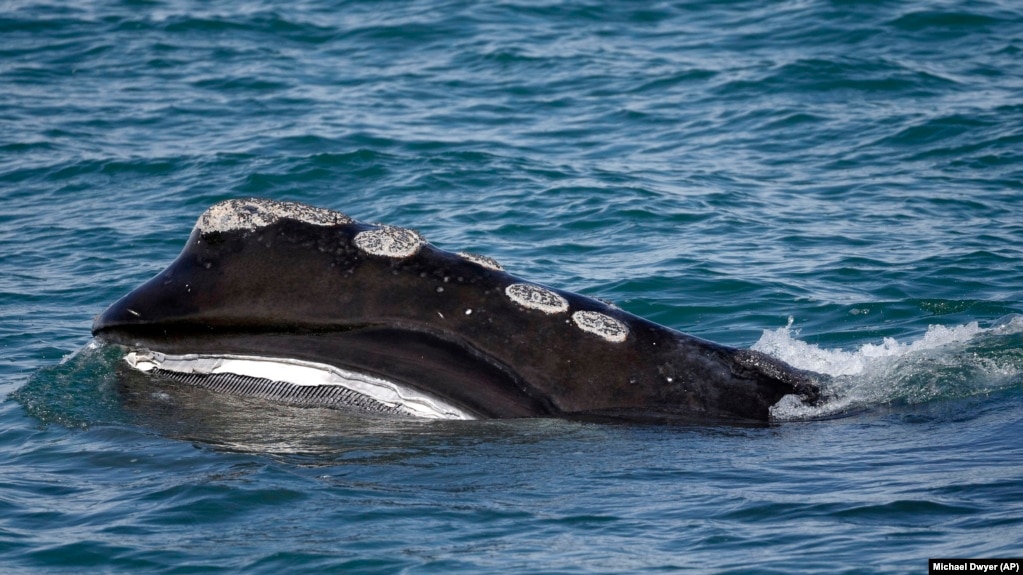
[535, 297]
[302, 373]
[389, 241]
[484, 261]
[605, 326]
[254, 213]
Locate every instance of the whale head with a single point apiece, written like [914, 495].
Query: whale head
[307, 305]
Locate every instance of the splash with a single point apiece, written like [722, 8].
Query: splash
[944, 363]
[78, 392]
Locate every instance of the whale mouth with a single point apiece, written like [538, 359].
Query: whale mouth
[294, 382]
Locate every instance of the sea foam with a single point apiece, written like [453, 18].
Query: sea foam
[945, 362]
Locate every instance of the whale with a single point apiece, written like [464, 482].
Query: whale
[307, 306]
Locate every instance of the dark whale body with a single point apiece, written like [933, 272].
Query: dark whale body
[275, 284]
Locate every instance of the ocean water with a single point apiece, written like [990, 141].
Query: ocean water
[837, 183]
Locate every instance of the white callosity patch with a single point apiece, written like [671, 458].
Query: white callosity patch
[301, 373]
[484, 261]
[389, 241]
[605, 326]
[535, 297]
[254, 213]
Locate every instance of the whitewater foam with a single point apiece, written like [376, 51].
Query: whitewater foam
[946, 361]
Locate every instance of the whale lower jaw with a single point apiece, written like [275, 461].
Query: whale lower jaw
[294, 382]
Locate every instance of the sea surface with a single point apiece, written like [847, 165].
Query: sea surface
[837, 183]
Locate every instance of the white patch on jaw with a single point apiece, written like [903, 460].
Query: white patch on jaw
[535, 297]
[389, 241]
[605, 326]
[254, 213]
[299, 373]
[484, 261]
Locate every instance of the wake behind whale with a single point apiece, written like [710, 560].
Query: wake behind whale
[946, 363]
[308, 306]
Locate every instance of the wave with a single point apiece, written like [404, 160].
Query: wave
[945, 363]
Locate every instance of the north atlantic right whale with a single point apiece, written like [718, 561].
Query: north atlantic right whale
[308, 306]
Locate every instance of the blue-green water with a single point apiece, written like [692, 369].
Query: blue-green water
[837, 183]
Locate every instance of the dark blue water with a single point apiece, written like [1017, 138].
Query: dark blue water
[837, 183]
